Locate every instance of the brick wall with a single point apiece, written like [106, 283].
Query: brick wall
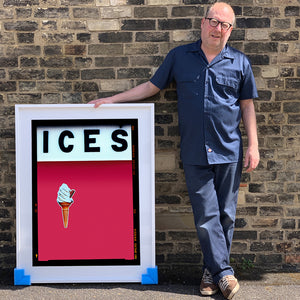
[72, 51]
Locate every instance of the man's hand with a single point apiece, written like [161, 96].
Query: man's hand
[100, 101]
[251, 159]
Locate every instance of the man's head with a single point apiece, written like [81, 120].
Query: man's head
[216, 27]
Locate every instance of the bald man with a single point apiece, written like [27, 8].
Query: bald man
[215, 89]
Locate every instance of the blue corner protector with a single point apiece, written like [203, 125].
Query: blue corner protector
[151, 277]
[20, 278]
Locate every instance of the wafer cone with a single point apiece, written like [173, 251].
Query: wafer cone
[65, 209]
[65, 212]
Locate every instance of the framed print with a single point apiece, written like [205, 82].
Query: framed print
[85, 193]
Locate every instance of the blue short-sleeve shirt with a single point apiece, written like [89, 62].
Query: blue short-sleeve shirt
[209, 96]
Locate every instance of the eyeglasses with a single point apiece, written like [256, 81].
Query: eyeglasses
[214, 23]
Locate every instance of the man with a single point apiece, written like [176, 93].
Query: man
[215, 88]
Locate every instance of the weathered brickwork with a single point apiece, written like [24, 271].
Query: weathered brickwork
[71, 51]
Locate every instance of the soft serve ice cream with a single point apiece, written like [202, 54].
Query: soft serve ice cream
[64, 199]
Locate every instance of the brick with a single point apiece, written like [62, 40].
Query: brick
[115, 12]
[6, 14]
[115, 37]
[240, 223]
[79, 50]
[261, 246]
[152, 37]
[187, 11]
[135, 2]
[244, 235]
[269, 259]
[165, 162]
[182, 35]
[61, 12]
[76, 2]
[51, 98]
[86, 13]
[56, 62]
[28, 62]
[115, 85]
[287, 95]
[55, 74]
[162, 2]
[288, 224]
[150, 12]
[271, 235]
[8, 62]
[140, 49]
[89, 74]
[49, 25]
[7, 38]
[53, 50]
[23, 12]
[166, 199]
[114, 49]
[27, 74]
[54, 38]
[238, 247]
[153, 61]
[4, 213]
[71, 98]
[259, 59]
[264, 222]
[261, 47]
[291, 11]
[282, 23]
[174, 24]
[86, 87]
[256, 188]
[73, 25]
[248, 211]
[292, 259]
[254, 34]
[20, 2]
[133, 73]
[268, 198]
[293, 235]
[271, 211]
[253, 22]
[134, 25]
[103, 25]
[285, 36]
[21, 26]
[25, 38]
[83, 37]
[183, 236]
[111, 61]
[54, 86]
[72, 74]
[8, 86]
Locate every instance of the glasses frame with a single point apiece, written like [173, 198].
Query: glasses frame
[219, 22]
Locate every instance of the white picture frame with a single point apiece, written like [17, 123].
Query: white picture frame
[144, 269]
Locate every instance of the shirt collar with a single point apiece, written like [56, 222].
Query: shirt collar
[225, 53]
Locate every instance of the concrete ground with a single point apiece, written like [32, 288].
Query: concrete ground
[282, 286]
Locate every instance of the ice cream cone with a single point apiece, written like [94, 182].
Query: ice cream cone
[65, 212]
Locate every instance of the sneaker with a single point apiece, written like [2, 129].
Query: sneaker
[207, 286]
[229, 286]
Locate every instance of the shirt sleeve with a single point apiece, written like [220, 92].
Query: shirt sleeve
[164, 74]
[248, 89]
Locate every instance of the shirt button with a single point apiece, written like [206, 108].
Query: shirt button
[209, 150]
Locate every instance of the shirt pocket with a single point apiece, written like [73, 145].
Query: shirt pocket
[228, 87]
[188, 86]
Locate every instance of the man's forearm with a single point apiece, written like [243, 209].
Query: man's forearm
[139, 92]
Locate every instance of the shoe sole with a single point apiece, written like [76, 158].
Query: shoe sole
[234, 291]
[208, 293]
